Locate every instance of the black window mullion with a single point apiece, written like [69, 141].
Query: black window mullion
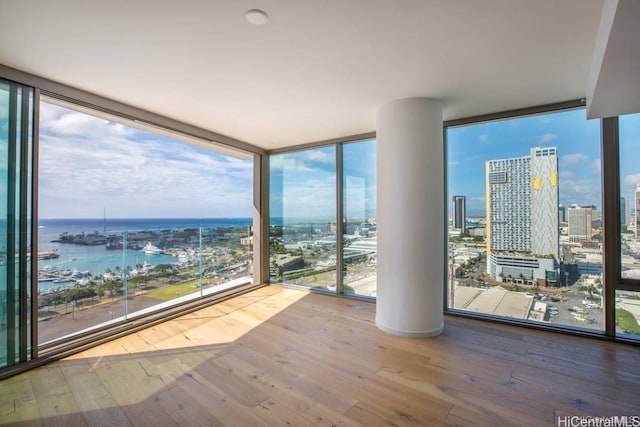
[340, 225]
[35, 129]
[611, 220]
[23, 223]
[11, 241]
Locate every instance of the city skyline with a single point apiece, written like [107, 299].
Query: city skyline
[579, 161]
[78, 152]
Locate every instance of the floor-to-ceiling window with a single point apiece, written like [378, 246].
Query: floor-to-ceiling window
[627, 296]
[303, 226]
[525, 229]
[163, 216]
[316, 195]
[359, 218]
[16, 162]
[133, 219]
[129, 218]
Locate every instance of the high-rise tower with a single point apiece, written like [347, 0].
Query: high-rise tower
[544, 202]
[562, 213]
[580, 219]
[522, 203]
[522, 208]
[509, 204]
[459, 212]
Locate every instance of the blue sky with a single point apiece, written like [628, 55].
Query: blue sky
[88, 164]
[579, 157]
[629, 155]
[303, 183]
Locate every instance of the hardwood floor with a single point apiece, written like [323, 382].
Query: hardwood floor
[278, 356]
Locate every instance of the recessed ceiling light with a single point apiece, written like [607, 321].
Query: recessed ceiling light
[257, 17]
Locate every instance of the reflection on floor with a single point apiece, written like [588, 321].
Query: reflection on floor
[278, 356]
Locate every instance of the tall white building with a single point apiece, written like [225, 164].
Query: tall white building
[508, 201]
[544, 202]
[522, 211]
[624, 212]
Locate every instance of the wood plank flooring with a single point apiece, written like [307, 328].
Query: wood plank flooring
[283, 357]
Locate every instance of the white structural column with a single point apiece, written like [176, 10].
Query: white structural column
[410, 217]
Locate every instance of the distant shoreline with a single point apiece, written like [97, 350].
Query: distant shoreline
[148, 218]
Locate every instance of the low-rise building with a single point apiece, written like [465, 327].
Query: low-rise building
[523, 269]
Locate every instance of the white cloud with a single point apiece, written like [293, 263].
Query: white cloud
[572, 159]
[303, 184]
[319, 155]
[453, 163]
[566, 174]
[303, 161]
[580, 191]
[484, 138]
[87, 164]
[288, 163]
[55, 120]
[630, 182]
[4, 99]
[547, 137]
[309, 198]
[596, 166]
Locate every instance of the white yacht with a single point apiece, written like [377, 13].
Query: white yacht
[151, 249]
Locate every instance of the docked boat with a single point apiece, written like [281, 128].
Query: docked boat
[151, 249]
[53, 254]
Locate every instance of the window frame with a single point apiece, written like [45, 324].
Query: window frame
[32, 354]
[20, 156]
[612, 233]
[612, 254]
[610, 199]
[338, 144]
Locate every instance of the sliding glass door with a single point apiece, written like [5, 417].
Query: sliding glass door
[16, 160]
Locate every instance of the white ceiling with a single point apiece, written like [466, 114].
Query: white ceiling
[317, 70]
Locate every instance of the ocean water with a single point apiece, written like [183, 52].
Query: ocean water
[48, 227]
[96, 259]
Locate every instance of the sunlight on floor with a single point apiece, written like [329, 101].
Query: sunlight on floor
[142, 365]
